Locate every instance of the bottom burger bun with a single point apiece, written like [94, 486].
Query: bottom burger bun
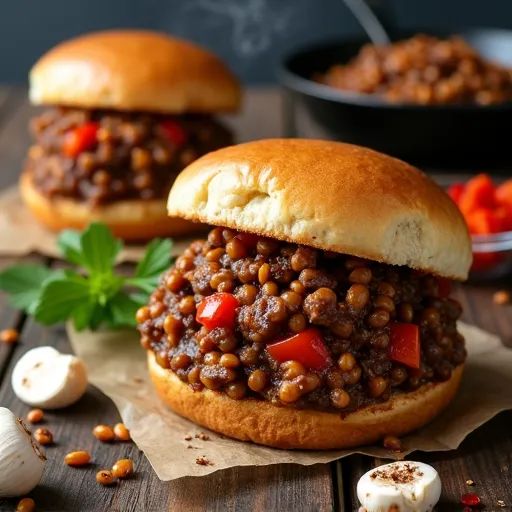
[283, 427]
[132, 220]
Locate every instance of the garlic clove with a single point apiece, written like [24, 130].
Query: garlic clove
[21, 462]
[408, 486]
[43, 377]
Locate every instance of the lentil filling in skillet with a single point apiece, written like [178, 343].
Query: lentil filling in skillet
[258, 318]
[104, 156]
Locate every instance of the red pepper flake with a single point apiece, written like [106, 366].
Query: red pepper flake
[202, 461]
[174, 132]
[470, 500]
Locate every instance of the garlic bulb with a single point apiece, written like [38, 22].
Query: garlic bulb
[43, 377]
[21, 462]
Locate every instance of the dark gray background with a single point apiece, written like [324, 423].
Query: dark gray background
[251, 35]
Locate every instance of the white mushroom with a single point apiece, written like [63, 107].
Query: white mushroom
[407, 486]
[21, 462]
[43, 377]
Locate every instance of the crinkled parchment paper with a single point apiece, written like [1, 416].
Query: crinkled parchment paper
[21, 234]
[117, 366]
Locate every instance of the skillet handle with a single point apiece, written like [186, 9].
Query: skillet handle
[288, 114]
[383, 10]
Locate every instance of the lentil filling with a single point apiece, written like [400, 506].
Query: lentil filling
[341, 314]
[103, 156]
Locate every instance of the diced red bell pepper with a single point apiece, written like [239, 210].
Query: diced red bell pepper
[80, 139]
[455, 191]
[217, 310]
[174, 132]
[248, 239]
[404, 345]
[306, 347]
[482, 221]
[444, 287]
[478, 193]
[504, 193]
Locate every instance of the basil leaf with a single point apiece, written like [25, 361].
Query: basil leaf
[70, 245]
[90, 315]
[147, 284]
[99, 249]
[23, 283]
[60, 298]
[123, 309]
[140, 298]
[156, 259]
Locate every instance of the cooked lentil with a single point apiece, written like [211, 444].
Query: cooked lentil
[423, 70]
[351, 301]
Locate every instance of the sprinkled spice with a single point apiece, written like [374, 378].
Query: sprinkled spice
[403, 474]
[470, 500]
[470, 482]
[202, 436]
[500, 503]
[202, 461]
[188, 438]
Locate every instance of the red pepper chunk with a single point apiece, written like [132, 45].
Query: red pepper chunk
[404, 345]
[174, 132]
[455, 191]
[306, 347]
[80, 139]
[217, 310]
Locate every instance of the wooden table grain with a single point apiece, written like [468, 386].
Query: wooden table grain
[484, 457]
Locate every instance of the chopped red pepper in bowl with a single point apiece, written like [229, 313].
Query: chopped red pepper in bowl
[487, 209]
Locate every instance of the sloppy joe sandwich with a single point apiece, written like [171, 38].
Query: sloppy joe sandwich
[317, 314]
[126, 111]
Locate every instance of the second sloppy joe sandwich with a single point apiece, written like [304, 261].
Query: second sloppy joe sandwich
[317, 314]
[126, 111]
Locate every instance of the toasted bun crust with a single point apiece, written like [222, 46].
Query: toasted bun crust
[329, 195]
[134, 70]
[282, 427]
[133, 220]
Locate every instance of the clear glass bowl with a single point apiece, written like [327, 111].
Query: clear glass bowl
[492, 255]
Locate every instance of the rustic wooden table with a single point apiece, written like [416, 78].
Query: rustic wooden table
[484, 457]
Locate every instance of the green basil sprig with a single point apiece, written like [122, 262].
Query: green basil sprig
[92, 294]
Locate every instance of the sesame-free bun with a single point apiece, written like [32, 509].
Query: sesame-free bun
[328, 195]
[134, 70]
[132, 220]
[265, 423]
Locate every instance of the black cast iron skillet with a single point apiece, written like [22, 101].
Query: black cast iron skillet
[441, 137]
